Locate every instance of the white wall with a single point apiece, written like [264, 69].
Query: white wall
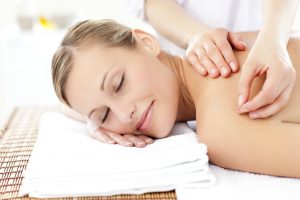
[90, 8]
[31, 62]
[25, 57]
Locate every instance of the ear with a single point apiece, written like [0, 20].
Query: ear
[146, 41]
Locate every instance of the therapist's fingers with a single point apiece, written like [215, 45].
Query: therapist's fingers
[270, 91]
[206, 63]
[245, 82]
[215, 55]
[192, 58]
[227, 52]
[273, 108]
[236, 41]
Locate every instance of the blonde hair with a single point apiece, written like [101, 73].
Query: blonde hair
[105, 32]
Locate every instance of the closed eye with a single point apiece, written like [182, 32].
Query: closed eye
[105, 116]
[118, 88]
[121, 82]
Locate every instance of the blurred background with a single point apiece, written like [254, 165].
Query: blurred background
[30, 31]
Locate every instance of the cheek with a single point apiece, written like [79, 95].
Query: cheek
[165, 88]
[116, 126]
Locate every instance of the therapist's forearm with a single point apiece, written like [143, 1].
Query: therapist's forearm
[278, 17]
[170, 20]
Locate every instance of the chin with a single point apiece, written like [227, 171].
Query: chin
[163, 131]
[162, 135]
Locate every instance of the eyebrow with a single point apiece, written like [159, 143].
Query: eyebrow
[102, 86]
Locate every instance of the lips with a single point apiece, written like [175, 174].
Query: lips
[143, 117]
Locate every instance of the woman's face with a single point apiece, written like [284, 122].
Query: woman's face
[119, 89]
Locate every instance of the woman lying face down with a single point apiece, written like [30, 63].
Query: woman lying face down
[122, 81]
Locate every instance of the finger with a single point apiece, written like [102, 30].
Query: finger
[272, 88]
[275, 107]
[146, 139]
[120, 139]
[265, 111]
[236, 41]
[228, 55]
[138, 142]
[216, 56]
[101, 136]
[205, 62]
[244, 86]
[194, 60]
[211, 68]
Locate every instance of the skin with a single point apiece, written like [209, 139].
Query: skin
[210, 51]
[234, 141]
[197, 38]
[156, 82]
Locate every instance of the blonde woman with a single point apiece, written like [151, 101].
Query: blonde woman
[120, 80]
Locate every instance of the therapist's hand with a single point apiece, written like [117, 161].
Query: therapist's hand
[128, 140]
[271, 58]
[212, 52]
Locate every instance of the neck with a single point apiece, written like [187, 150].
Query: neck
[186, 106]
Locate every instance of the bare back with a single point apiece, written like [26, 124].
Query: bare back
[268, 146]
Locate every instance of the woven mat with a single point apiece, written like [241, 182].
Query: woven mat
[15, 149]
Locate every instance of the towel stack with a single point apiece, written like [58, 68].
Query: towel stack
[66, 162]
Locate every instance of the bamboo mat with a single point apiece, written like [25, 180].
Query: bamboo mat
[15, 150]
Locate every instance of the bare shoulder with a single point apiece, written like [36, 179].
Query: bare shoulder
[235, 141]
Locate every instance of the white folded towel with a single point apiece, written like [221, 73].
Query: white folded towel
[66, 162]
[236, 185]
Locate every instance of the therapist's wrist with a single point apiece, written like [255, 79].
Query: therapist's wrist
[193, 34]
[275, 35]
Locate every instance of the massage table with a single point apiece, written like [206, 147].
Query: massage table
[19, 136]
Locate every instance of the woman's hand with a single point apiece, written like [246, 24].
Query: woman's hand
[128, 140]
[211, 52]
[270, 57]
[106, 136]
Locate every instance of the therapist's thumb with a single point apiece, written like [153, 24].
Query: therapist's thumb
[244, 85]
[236, 41]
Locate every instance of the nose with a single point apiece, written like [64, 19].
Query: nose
[124, 111]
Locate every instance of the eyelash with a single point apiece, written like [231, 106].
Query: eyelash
[118, 88]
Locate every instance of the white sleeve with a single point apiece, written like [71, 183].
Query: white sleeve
[136, 8]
